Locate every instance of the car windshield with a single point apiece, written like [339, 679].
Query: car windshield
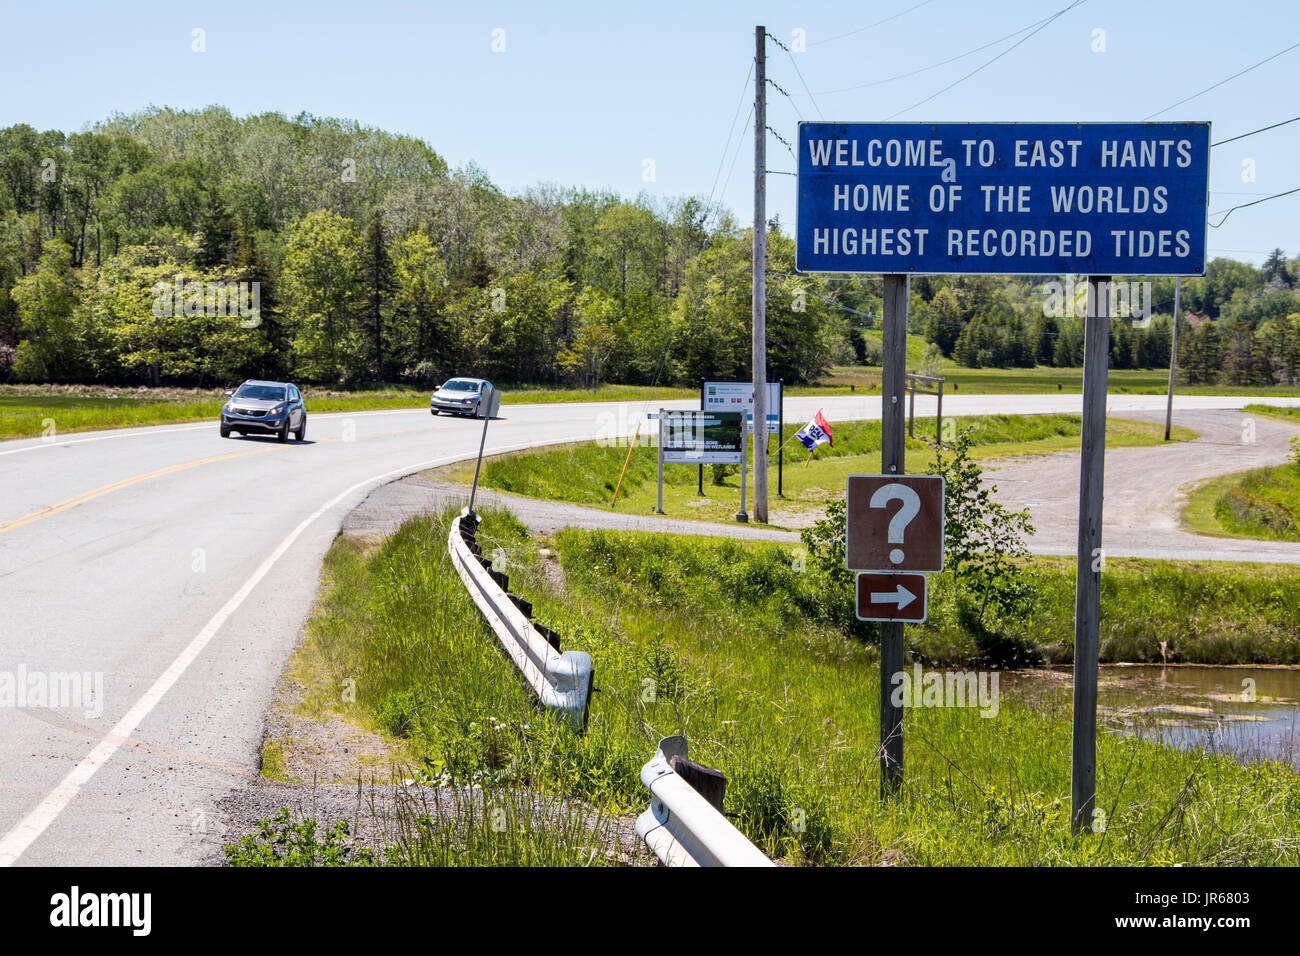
[265, 393]
[460, 385]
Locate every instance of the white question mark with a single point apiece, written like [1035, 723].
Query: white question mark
[902, 517]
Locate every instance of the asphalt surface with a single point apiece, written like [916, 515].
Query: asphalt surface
[1145, 490]
[177, 568]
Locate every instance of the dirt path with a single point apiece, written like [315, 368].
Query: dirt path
[1146, 489]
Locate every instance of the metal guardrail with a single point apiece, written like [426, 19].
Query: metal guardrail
[682, 826]
[561, 681]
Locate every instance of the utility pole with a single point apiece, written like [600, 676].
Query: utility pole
[1173, 354]
[760, 275]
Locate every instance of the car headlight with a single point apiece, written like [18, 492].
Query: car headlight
[279, 409]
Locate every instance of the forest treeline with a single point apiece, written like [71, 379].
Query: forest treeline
[123, 250]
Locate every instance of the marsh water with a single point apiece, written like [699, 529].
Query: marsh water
[1249, 713]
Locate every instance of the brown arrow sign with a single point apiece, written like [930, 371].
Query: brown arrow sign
[893, 597]
[895, 523]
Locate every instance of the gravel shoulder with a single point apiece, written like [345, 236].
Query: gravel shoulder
[1146, 489]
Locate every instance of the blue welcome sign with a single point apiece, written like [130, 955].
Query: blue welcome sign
[1003, 198]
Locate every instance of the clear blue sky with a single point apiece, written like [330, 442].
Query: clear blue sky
[584, 93]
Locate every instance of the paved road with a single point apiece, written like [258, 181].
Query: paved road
[178, 568]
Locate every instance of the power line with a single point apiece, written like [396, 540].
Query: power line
[870, 26]
[1262, 129]
[735, 157]
[802, 81]
[990, 62]
[1229, 212]
[727, 146]
[935, 66]
[1221, 82]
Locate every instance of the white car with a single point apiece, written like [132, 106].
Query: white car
[459, 396]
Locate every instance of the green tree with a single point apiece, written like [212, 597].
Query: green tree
[594, 343]
[945, 321]
[424, 335]
[983, 539]
[1201, 357]
[52, 344]
[321, 270]
[377, 287]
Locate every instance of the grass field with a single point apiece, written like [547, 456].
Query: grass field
[733, 647]
[1290, 413]
[1263, 503]
[587, 473]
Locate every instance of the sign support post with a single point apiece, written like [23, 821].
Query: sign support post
[659, 507]
[893, 377]
[481, 443]
[1173, 355]
[741, 516]
[780, 441]
[699, 481]
[1087, 589]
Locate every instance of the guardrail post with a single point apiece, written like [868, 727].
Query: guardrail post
[938, 418]
[684, 827]
[911, 403]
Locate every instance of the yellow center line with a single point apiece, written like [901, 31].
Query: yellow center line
[83, 497]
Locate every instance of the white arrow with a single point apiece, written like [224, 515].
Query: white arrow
[903, 598]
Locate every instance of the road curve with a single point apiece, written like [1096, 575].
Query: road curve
[178, 568]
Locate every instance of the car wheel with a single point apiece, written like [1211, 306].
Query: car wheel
[283, 433]
[433, 411]
[301, 433]
[225, 432]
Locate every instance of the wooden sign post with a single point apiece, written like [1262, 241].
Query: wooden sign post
[892, 462]
[1087, 585]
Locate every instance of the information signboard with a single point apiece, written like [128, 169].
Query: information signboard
[701, 437]
[739, 396]
[892, 597]
[894, 523]
[1003, 198]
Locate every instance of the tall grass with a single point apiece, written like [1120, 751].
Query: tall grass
[733, 647]
[1263, 503]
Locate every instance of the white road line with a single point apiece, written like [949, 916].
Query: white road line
[130, 434]
[30, 828]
